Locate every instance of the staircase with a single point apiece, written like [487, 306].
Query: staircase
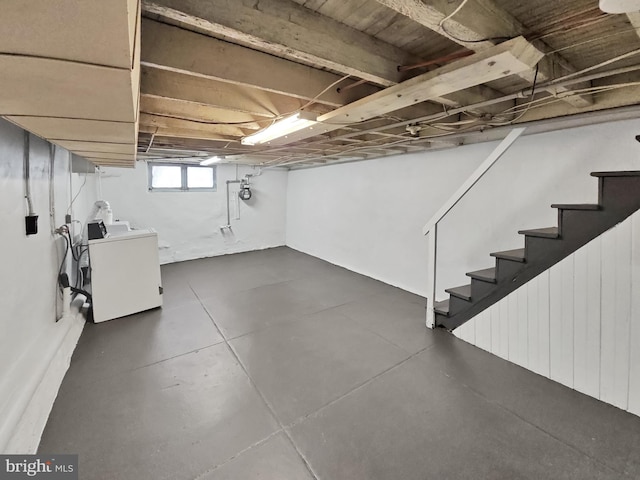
[618, 198]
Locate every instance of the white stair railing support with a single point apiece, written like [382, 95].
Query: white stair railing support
[431, 227]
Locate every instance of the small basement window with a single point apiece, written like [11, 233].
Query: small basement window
[175, 177]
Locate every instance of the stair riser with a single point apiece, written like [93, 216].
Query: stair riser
[441, 320]
[544, 249]
[506, 270]
[480, 289]
[619, 192]
[457, 305]
[580, 227]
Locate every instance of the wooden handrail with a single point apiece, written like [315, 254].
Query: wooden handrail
[473, 179]
[431, 227]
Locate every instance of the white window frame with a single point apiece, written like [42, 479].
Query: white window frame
[183, 176]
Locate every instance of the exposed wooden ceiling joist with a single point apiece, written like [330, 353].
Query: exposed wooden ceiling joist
[179, 132]
[499, 61]
[159, 83]
[204, 114]
[171, 48]
[479, 25]
[288, 30]
[280, 28]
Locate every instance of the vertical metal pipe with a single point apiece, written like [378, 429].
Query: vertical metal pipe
[27, 172]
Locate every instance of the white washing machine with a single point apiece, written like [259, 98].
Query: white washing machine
[125, 274]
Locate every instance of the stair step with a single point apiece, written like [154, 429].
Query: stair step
[516, 255]
[549, 232]
[628, 173]
[486, 275]
[576, 206]
[441, 307]
[463, 292]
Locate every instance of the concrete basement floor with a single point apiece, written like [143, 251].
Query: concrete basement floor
[277, 365]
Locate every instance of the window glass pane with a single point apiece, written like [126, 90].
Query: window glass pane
[200, 177]
[166, 176]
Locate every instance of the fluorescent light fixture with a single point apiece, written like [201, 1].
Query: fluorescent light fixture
[210, 161]
[619, 6]
[282, 128]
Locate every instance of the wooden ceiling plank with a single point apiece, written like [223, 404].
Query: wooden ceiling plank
[634, 18]
[164, 122]
[172, 108]
[482, 19]
[500, 61]
[286, 29]
[161, 83]
[174, 49]
[177, 50]
[186, 133]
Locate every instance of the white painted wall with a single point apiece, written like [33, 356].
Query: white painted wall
[368, 216]
[188, 222]
[577, 323]
[34, 350]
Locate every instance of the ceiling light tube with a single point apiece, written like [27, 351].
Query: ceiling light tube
[619, 6]
[210, 161]
[281, 128]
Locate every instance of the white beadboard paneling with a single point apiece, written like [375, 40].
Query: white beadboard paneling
[579, 322]
[494, 313]
[580, 318]
[513, 326]
[607, 309]
[555, 319]
[581, 308]
[622, 316]
[533, 352]
[523, 326]
[504, 328]
[594, 289]
[634, 336]
[483, 327]
[544, 324]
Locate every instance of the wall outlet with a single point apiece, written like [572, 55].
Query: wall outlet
[67, 219]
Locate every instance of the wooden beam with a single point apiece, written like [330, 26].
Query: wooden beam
[634, 18]
[289, 30]
[160, 83]
[211, 129]
[177, 50]
[479, 20]
[186, 133]
[500, 61]
[172, 108]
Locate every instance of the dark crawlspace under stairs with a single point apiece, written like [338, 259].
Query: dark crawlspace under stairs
[618, 198]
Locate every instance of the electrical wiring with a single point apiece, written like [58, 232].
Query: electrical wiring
[449, 34]
[78, 193]
[313, 100]
[591, 40]
[452, 14]
[543, 102]
[533, 94]
[64, 259]
[466, 40]
[578, 25]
